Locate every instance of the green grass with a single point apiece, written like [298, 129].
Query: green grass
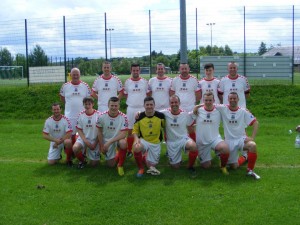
[100, 196]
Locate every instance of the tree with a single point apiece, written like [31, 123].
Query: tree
[262, 48]
[38, 57]
[227, 50]
[5, 57]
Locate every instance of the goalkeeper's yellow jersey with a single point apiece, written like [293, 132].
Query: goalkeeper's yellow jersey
[150, 128]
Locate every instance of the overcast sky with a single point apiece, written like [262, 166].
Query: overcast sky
[127, 13]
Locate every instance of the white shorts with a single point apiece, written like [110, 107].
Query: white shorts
[111, 153]
[174, 149]
[91, 154]
[153, 151]
[235, 146]
[205, 150]
[54, 153]
[131, 113]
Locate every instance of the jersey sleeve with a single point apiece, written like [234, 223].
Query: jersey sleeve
[248, 117]
[99, 122]
[221, 86]
[46, 128]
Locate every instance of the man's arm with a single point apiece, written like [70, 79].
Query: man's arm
[94, 94]
[62, 98]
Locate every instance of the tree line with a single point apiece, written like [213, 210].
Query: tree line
[120, 65]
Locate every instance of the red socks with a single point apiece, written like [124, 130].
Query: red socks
[139, 159]
[130, 140]
[69, 153]
[122, 156]
[224, 159]
[192, 158]
[251, 160]
[193, 136]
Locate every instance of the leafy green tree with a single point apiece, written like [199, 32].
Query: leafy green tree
[5, 57]
[227, 51]
[262, 48]
[38, 57]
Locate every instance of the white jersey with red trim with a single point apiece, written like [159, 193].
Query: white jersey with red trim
[176, 124]
[239, 85]
[136, 91]
[87, 123]
[57, 128]
[160, 88]
[106, 88]
[209, 86]
[234, 122]
[185, 89]
[207, 125]
[111, 126]
[74, 94]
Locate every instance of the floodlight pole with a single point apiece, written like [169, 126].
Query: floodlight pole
[110, 30]
[211, 25]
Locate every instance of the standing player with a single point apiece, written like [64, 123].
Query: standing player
[234, 82]
[208, 120]
[177, 122]
[135, 90]
[160, 88]
[112, 129]
[88, 136]
[209, 83]
[186, 87]
[106, 86]
[147, 132]
[72, 94]
[58, 131]
[234, 121]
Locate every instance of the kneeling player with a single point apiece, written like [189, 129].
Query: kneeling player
[177, 122]
[208, 120]
[87, 130]
[58, 131]
[112, 130]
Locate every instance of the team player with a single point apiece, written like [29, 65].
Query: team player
[234, 120]
[112, 130]
[186, 87]
[209, 83]
[72, 93]
[208, 121]
[135, 90]
[147, 132]
[160, 88]
[106, 86]
[234, 82]
[88, 136]
[239, 84]
[58, 131]
[177, 121]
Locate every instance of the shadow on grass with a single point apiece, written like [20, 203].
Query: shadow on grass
[103, 175]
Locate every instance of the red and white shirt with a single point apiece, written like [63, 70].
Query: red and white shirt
[207, 125]
[106, 88]
[74, 94]
[185, 89]
[57, 128]
[176, 124]
[136, 91]
[160, 88]
[234, 122]
[87, 124]
[239, 85]
[209, 86]
[111, 126]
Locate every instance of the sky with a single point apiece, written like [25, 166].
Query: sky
[130, 23]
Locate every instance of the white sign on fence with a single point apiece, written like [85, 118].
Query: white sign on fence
[46, 74]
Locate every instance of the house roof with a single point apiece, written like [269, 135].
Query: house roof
[285, 51]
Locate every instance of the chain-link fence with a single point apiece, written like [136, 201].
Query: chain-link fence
[145, 37]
